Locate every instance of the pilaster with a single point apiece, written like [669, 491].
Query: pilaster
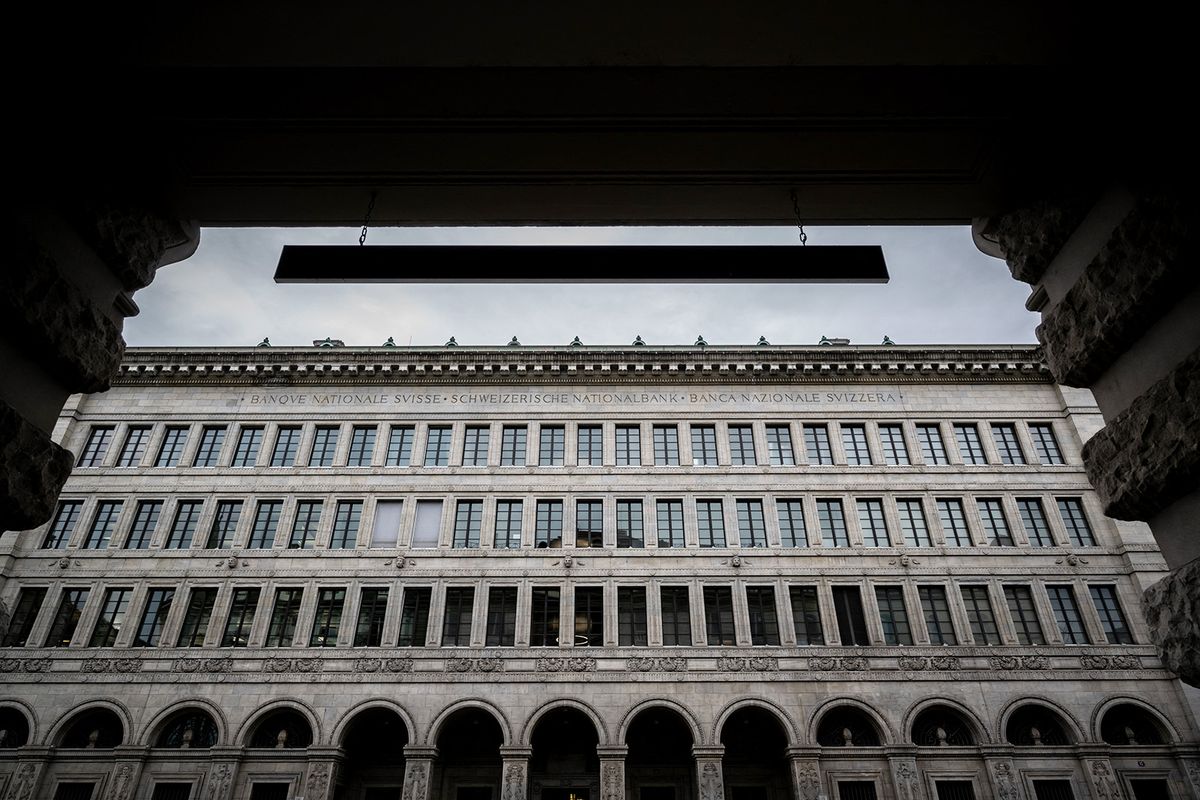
[710, 778]
[514, 771]
[418, 770]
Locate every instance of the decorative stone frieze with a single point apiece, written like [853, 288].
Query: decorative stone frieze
[28, 494]
[293, 665]
[650, 664]
[1104, 783]
[207, 665]
[1003, 775]
[1110, 662]
[383, 665]
[484, 664]
[320, 781]
[906, 779]
[748, 664]
[571, 664]
[123, 781]
[831, 663]
[115, 665]
[24, 665]
[806, 779]
[1034, 662]
[516, 779]
[24, 781]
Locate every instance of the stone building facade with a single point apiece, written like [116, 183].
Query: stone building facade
[781, 572]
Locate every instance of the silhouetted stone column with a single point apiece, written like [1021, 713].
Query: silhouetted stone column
[514, 772]
[612, 771]
[418, 771]
[710, 778]
[321, 779]
[806, 772]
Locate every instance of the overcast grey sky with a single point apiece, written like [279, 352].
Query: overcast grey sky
[942, 290]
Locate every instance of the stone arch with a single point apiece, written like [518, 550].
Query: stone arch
[66, 718]
[1172, 735]
[27, 712]
[251, 722]
[1072, 725]
[887, 736]
[339, 728]
[152, 729]
[473, 702]
[565, 702]
[982, 734]
[785, 719]
[688, 717]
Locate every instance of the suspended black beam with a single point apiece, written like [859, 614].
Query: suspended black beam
[581, 264]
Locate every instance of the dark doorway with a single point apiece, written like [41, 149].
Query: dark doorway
[1150, 789]
[955, 790]
[564, 761]
[747, 792]
[383, 793]
[374, 743]
[474, 793]
[857, 790]
[1053, 790]
[659, 765]
[657, 793]
[468, 754]
[74, 791]
[560, 793]
[269, 791]
[754, 765]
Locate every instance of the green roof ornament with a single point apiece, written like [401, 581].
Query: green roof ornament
[513, 342]
[762, 341]
[576, 343]
[637, 342]
[390, 342]
[326, 342]
[264, 343]
[451, 342]
[887, 339]
[700, 342]
[824, 340]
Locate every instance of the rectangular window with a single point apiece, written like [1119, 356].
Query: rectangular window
[1053, 790]
[25, 613]
[241, 618]
[779, 446]
[589, 523]
[792, 529]
[362, 445]
[629, 446]
[1033, 518]
[704, 446]
[676, 616]
[66, 618]
[969, 445]
[287, 446]
[552, 446]
[456, 621]
[437, 446]
[97, 446]
[936, 609]
[502, 616]
[1005, 436]
[173, 443]
[589, 616]
[670, 523]
[631, 616]
[248, 444]
[764, 617]
[328, 619]
[955, 790]
[1044, 443]
[304, 526]
[752, 526]
[1112, 619]
[995, 526]
[347, 516]
[591, 445]
[547, 529]
[933, 449]
[103, 523]
[212, 439]
[414, 617]
[171, 791]
[112, 617]
[372, 614]
[1024, 615]
[224, 525]
[666, 446]
[852, 622]
[196, 618]
[508, 524]
[1074, 520]
[741, 446]
[893, 615]
[154, 617]
[980, 615]
[833, 523]
[324, 446]
[913, 525]
[266, 520]
[513, 446]
[816, 445]
[427, 526]
[873, 524]
[543, 617]
[854, 442]
[806, 615]
[1067, 616]
[400, 444]
[468, 522]
[145, 521]
[630, 530]
[710, 520]
[895, 451]
[183, 529]
[385, 532]
[282, 630]
[718, 616]
[954, 522]
[64, 525]
[136, 439]
[475, 446]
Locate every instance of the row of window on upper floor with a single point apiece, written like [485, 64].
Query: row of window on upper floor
[730, 615]
[675, 523]
[861, 444]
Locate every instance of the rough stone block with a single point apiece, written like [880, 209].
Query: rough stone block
[34, 470]
[1031, 237]
[1173, 615]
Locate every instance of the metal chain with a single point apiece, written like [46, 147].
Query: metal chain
[362, 237]
[799, 222]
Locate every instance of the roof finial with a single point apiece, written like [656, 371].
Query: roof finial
[824, 340]
[700, 342]
[390, 342]
[762, 340]
[513, 342]
[638, 342]
[576, 343]
[264, 343]
[451, 343]
[887, 339]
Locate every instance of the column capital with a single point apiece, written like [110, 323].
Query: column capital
[708, 751]
[318, 753]
[609, 751]
[426, 751]
[802, 751]
[509, 751]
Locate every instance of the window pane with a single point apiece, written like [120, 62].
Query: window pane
[224, 525]
[718, 616]
[548, 524]
[752, 527]
[666, 446]
[154, 617]
[386, 530]
[1033, 519]
[969, 446]
[304, 527]
[792, 529]
[97, 446]
[502, 616]
[508, 524]
[631, 616]
[287, 445]
[212, 439]
[513, 446]
[711, 523]
[248, 444]
[183, 529]
[704, 446]
[741, 445]
[1066, 615]
[196, 619]
[933, 450]
[400, 443]
[328, 619]
[362, 446]
[324, 446]
[854, 442]
[816, 445]
[103, 524]
[589, 523]
[1074, 520]
[912, 523]
[995, 526]
[112, 617]
[852, 622]
[954, 523]
[414, 617]
[136, 439]
[427, 526]
[806, 615]
[1005, 436]
[630, 531]
[873, 524]
[66, 619]
[670, 523]
[241, 618]
[372, 615]
[764, 618]
[629, 446]
[266, 520]
[1024, 615]
[590, 450]
[936, 609]
[65, 519]
[544, 617]
[437, 445]
[468, 522]
[676, 616]
[893, 615]
[475, 446]
[779, 446]
[1044, 443]
[552, 446]
[172, 447]
[20, 624]
[833, 523]
[346, 518]
[1116, 629]
[456, 621]
[980, 615]
[589, 616]
[895, 451]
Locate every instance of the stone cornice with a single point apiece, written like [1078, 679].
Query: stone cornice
[286, 366]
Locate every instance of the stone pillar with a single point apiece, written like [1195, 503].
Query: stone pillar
[710, 779]
[1101, 777]
[26, 778]
[806, 772]
[418, 771]
[126, 772]
[905, 777]
[218, 785]
[321, 779]
[514, 772]
[612, 771]
[1002, 776]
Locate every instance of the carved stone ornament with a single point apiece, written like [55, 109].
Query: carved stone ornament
[211, 665]
[572, 664]
[1104, 782]
[514, 781]
[23, 781]
[808, 780]
[485, 664]
[317, 785]
[117, 665]
[383, 665]
[750, 664]
[1003, 781]
[24, 665]
[831, 663]
[1193, 771]
[913, 663]
[711, 787]
[416, 781]
[122, 783]
[953, 663]
[907, 785]
[1110, 662]
[612, 780]
[647, 664]
[297, 665]
[219, 781]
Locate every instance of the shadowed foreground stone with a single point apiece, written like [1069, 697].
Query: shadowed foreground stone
[1173, 616]
[1031, 237]
[35, 471]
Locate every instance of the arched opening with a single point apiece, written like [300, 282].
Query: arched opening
[564, 764]
[1129, 724]
[374, 768]
[659, 765]
[14, 728]
[847, 726]
[942, 726]
[189, 727]
[755, 764]
[282, 729]
[468, 765]
[1032, 725]
[93, 729]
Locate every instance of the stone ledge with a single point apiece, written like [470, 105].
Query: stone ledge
[133, 242]
[34, 471]
[1031, 237]
[1173, 615]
